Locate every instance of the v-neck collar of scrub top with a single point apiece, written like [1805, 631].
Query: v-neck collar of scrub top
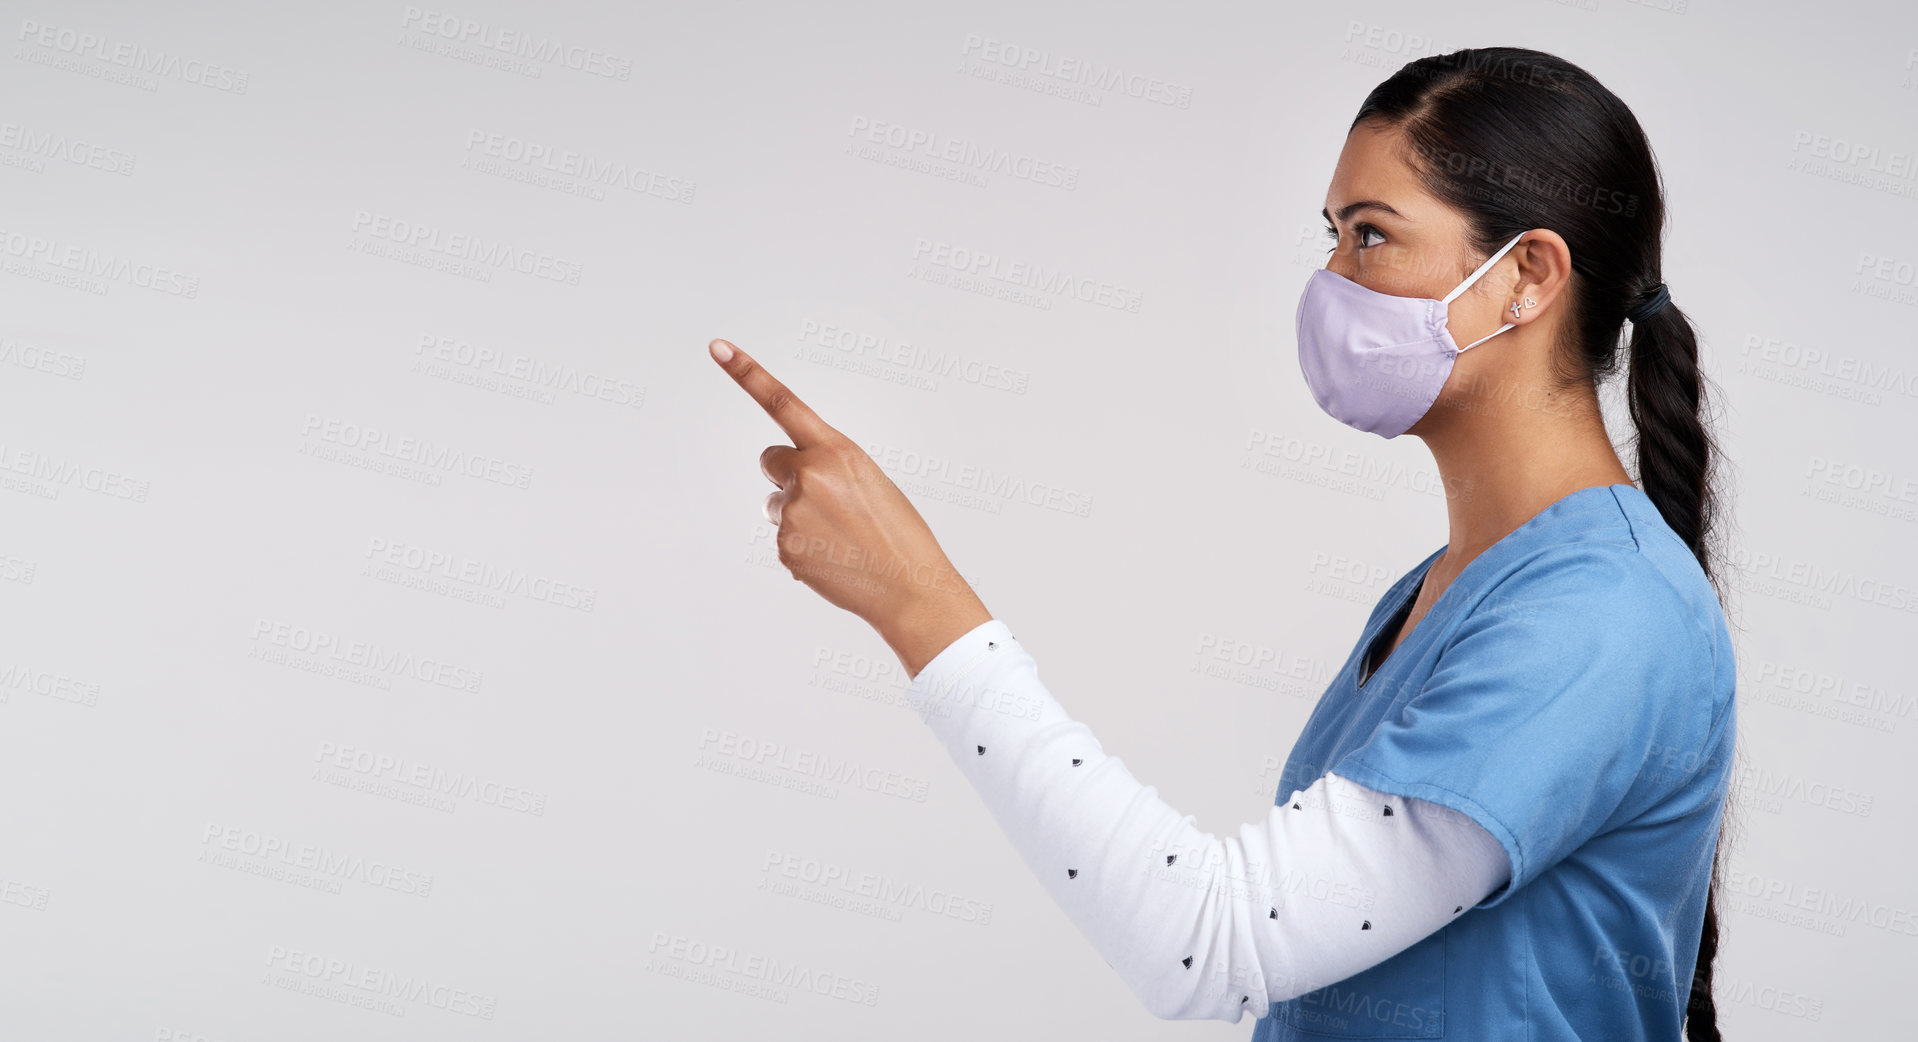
[1402, 596]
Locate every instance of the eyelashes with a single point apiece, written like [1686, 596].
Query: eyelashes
[1362, 229]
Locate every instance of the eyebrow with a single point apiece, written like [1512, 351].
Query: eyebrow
[1346, 211]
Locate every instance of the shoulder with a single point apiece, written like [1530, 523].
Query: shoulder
[1583, 584]
[1603, 616]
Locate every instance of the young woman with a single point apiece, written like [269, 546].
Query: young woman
[1502, 819]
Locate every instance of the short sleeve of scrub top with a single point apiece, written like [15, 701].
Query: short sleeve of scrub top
[1551, 712]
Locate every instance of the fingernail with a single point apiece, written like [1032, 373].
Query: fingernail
[722, 351]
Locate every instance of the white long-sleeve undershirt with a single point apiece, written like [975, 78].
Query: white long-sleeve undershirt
[1333, 881]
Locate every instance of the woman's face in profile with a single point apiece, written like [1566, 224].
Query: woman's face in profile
[1393, 237]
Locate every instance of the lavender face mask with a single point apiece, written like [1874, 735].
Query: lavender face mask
[1375, 361]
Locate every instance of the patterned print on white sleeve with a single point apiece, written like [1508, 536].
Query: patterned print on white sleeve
[1335, 880]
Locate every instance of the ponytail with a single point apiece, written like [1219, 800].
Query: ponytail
[1676, 454]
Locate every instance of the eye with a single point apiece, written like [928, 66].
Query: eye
[1361, 228]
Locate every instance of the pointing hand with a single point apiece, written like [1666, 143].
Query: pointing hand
[848, 532]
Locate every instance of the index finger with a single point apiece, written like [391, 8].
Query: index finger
[794, 417]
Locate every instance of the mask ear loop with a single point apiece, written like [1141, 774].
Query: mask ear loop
[1474, 277]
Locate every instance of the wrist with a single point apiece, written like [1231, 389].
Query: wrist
[919, 634]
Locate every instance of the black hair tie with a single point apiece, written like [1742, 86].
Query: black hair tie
[1660, 298]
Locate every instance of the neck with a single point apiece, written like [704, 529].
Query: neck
[1501, 466]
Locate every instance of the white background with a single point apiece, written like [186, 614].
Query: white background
[683, 790]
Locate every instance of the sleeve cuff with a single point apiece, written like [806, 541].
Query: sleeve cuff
[1352, 769]
[929, 692]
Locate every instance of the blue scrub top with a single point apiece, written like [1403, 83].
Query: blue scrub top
[1571, 691]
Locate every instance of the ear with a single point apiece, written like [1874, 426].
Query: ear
[1544, 270]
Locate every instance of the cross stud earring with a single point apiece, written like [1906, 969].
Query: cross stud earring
[1529, 302]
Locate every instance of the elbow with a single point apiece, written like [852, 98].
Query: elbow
[1157, 999]
[1165, 1011]
[1151, 996]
